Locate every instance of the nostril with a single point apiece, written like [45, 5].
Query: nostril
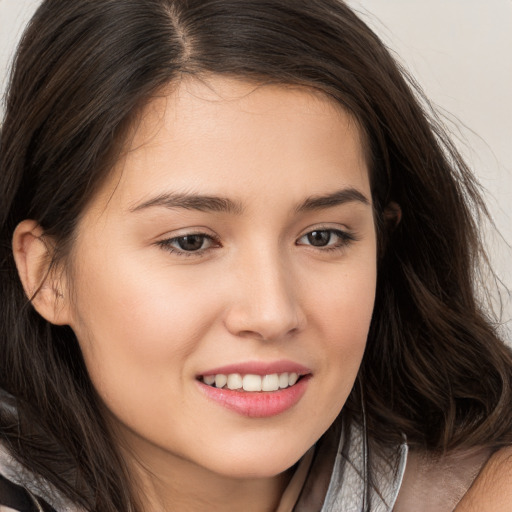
[265, 305]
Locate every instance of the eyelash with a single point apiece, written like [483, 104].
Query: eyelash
[345, 239]
[167, 244]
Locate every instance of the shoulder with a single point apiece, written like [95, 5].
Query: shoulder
[438, 483]
[492, 489]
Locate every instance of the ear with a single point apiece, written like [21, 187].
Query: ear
[392, 215]
[44, 286]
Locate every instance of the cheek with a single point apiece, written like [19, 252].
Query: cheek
[343, 301]
[344, 310]
[137, 327]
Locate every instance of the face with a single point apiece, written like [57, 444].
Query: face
[233, 246]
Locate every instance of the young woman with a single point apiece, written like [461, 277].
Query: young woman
[238, 263]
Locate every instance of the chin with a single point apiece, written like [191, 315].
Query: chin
[265, 463]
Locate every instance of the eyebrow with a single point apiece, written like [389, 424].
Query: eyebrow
[206, 203]
[202, 203]
[321, 202]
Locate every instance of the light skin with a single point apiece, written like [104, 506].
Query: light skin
[492, 489]
[282, 267]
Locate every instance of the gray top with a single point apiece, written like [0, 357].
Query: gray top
[346, 476]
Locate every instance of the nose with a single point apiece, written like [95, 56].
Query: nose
[266, 300]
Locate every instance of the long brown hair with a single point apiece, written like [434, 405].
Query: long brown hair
[434, 367]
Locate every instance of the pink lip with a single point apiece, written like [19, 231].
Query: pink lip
[261, 404]
[259, 368]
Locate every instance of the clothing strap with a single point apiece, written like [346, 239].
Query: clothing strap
[337, 478]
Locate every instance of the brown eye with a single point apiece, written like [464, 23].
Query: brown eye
[327, 239]
[190, 243]
[195, 243]
[319, 238]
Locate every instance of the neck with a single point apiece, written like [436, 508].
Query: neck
[164, 482]
[162, 494]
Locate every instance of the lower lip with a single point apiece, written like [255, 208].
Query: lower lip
[261, 404]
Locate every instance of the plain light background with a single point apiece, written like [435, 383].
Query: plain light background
[459, 52]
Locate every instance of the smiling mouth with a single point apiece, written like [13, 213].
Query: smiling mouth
[250, 382]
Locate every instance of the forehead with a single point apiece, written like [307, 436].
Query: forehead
[234, 98]
[232, 137]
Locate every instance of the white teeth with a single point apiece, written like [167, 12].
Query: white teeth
[235, 381]
[209, 379]
[252, 383]
[283, 380]
[270, 382]
[220, 380]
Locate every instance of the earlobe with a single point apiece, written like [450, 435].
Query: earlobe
[392, 215]
[44, 286]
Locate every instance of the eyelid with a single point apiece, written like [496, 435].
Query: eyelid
[342, 228]
[166, 243]
[346, 236]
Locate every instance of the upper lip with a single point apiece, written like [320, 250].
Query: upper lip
[259, 368]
